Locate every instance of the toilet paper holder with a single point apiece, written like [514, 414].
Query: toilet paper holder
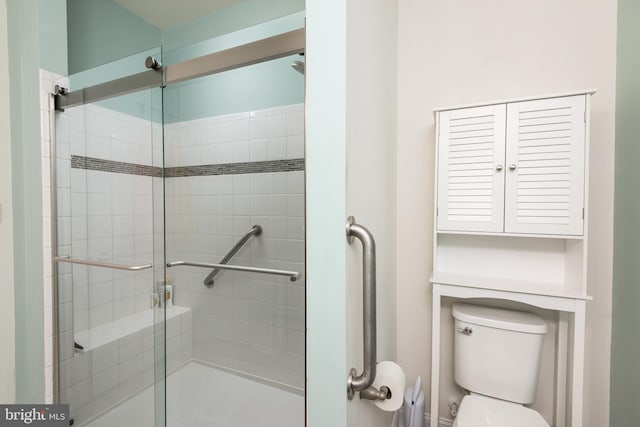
[363, 383]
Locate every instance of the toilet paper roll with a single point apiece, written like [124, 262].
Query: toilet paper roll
[390, 374]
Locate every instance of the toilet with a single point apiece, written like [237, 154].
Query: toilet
[497, 359]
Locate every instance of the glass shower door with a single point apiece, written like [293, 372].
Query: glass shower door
[110, 252]
[234, 159]
[180, 255]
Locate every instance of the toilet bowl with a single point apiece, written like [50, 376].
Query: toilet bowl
[483, 411]
[497, 359]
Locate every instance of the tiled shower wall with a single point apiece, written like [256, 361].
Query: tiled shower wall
[106, 215]
[249, 322]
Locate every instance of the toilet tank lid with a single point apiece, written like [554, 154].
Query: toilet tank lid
[509, 320]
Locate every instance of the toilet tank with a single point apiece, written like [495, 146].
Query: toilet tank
[497, 352]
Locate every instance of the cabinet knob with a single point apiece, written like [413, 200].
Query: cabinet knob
[498, 168]
[512, 167]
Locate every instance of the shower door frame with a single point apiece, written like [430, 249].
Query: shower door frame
[286, 44]
[279, 46]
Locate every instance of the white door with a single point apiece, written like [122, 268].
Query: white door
[544, 189]
[471, 169]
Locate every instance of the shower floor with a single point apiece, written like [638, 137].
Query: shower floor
[202, 396]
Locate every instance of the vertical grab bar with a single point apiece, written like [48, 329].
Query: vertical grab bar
[363, 382]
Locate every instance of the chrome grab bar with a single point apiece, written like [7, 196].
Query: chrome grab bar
[293, 275]
[256, 230]
[68, 259]
[363, 382]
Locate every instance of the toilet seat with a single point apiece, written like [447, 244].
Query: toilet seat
[483, 411]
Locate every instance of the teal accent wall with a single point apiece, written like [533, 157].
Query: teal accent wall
[265, 85]
[625, 371]
[172, 55]
[22, 19]
[100, 31]
[230, 19]
[260, 86]
[52, 40]
[137, 104]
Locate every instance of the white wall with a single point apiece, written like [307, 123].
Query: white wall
[7, 335]
[371, 180]
[460, 52]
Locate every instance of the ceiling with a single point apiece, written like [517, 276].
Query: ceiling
[165, 14]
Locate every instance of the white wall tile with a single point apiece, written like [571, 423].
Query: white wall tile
[276, 148]
[241, 151]
[277, 126]
[224, 152]
[100, 314]
[241, 130]
[100, 248]
[78, 142]
[225, 132]
[259, 128]
[295, 147]
[241, 205]
[78, 180]
[122, 225]
[96, 121]
[225, 184]
[99, 226]
[295, 123]
[296, 205]
[130, 346]
[258, 150]
[100, 294]
[105, 381]
[278, 205]
[78, 394]
[98, 204]
[98, 146]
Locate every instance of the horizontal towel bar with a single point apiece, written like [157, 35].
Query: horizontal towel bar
[293, 275]
[70, 260]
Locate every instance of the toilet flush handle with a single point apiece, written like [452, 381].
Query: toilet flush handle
[466, 330]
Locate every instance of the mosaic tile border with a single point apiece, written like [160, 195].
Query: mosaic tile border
[90, 163]
[237, 168]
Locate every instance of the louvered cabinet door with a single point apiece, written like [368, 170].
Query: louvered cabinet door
[544, 185]
[471, 169]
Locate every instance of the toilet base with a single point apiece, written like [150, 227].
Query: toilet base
[482, 411]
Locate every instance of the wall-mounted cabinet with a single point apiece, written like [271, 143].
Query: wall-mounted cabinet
[511, 224]
[514, 167]
[511, 195]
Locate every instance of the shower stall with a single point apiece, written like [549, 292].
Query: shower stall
[178, 238]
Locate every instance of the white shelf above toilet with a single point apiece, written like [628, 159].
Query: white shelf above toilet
[507, 285]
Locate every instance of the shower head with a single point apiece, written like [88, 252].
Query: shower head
[298, 66]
